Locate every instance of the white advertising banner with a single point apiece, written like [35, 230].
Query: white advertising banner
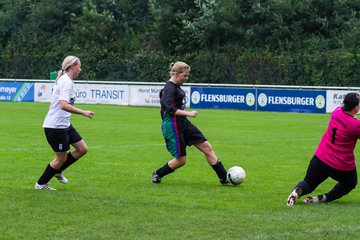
[42, 92]
[88, 93]
[334, 99]
[103, 94]
[149, 95]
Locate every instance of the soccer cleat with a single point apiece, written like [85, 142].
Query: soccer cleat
[295, 194]
[319, 198]
[224, 182]
[155, 178]
[44, 187]
[61, 178]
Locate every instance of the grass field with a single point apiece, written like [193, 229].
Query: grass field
[110, 194]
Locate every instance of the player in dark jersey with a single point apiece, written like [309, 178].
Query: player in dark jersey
[178, 131]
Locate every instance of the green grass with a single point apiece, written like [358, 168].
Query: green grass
[110, 195]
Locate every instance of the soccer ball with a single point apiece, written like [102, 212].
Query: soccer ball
[236, 175]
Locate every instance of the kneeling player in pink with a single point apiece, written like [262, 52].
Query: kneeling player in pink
[334, 156]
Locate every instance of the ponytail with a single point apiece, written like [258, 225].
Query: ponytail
[66, 64]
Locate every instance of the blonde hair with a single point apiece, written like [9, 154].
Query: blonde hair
[178, 67]
[66, 64]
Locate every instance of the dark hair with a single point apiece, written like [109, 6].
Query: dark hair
[351, 100]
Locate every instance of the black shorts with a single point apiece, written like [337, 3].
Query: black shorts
[177, 139]
[192, 135]
[60, 139]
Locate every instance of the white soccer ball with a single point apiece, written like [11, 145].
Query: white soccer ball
[236, 175]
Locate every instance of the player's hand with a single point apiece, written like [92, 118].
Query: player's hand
[88, 114]
[193, 114]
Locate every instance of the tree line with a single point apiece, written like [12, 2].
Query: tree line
[288, 42]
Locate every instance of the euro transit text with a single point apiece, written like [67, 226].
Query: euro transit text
[101, 94]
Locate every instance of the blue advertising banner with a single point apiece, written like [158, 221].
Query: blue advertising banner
[306, 101]
[223, 98]
[17, 91]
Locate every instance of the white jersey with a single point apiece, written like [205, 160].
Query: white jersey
[63, 90]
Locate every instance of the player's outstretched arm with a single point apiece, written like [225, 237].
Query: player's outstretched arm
[69, 108]
[180, 112]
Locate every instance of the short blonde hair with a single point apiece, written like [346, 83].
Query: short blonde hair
[68, 62]
[178, 67]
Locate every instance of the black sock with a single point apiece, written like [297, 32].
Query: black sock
[69, 160]
[220, 170]
[165, 170]
[47, 175]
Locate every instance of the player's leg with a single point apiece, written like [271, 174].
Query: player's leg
[208, 151]
[205, 147]
[177, 162]
[195, 137]
[175, 144]
[316, 173]
[71, 157]
[59, 142]
[80, 150]
[50, 171]
[347, 181]
[168, 168]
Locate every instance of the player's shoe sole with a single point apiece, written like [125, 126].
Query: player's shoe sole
[319, 198]
[295, 194]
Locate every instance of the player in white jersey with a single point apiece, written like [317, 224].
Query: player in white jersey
[60, 134]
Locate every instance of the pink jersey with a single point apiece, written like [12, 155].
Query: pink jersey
[337, 145]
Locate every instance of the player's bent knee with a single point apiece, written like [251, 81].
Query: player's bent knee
[353, 185]
[58, 162]
[181, 161]
[82, 150]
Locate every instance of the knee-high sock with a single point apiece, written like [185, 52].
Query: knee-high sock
[220, 170]
[69, 160]
[165, 170]
[47, 175]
